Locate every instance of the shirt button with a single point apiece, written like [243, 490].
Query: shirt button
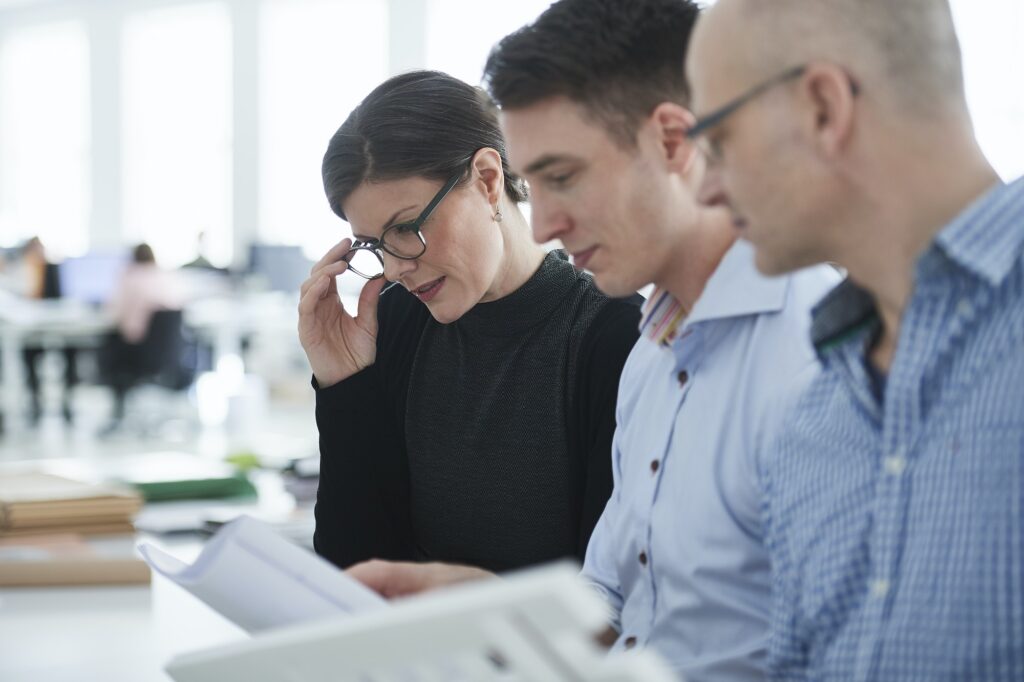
[654, 465]
[880, 588]
[683, 377]
[894, 466]
[630, 642]
[964, 308]
[643, 558]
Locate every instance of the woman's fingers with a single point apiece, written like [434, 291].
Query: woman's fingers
[331, 270]
[313, 294]
[334, 254]
[368, 299]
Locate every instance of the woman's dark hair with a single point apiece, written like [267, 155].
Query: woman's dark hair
[419, 124]
[143, 253]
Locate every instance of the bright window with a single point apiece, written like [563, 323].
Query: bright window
[990, 33]
[461, 33]
[44, 137]
[177, 130]
[319, 59]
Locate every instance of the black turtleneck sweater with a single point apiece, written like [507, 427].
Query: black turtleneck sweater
[486, 441]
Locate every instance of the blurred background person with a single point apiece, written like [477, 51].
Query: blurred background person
[26, 276]
[32, 277]
[144, 289]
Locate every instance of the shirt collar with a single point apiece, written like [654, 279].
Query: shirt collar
[987, 238]
[736, 289]
[846, 311]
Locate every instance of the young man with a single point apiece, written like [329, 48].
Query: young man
[896, 490]
[595, 114]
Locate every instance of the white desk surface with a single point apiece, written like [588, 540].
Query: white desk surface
[115, 634]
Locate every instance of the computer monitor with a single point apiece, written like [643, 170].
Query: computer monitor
[9, 254]
[92, 278]
[283, 268]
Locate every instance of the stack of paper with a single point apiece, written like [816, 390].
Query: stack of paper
[70, 560]
[58, 531]
[34, 503]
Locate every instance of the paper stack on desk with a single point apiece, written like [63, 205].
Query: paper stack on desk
[33, 503]
[59, 531]
[45, 560]
[257, 579]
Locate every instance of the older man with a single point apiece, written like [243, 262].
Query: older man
[895, 515]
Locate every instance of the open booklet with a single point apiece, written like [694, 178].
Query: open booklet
[537, 625]
[258, 580]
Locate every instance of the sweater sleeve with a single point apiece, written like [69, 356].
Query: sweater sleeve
[602, 356]
[362, 505]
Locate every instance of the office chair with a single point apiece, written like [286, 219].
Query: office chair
[159, 359]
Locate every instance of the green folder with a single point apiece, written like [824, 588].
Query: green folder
[196, 488]
[163, 476]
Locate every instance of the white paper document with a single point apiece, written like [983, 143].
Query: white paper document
[534, 626]
[257, 579]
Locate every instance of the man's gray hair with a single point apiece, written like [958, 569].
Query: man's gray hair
[905, 50]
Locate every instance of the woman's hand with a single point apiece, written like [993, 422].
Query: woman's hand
[337, 344]
[392, 579]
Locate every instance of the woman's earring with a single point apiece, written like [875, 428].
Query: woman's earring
[497, 214]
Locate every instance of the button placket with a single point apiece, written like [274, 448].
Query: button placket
[965, 307]
[888, 529]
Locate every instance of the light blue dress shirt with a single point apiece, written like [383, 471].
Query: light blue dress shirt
[678, 553]
[896, 525]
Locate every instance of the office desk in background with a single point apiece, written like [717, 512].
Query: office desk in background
[222, 321]
[47, 324]
[225, 321]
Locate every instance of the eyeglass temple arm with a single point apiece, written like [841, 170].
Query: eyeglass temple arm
[714, 119]
[452, 181]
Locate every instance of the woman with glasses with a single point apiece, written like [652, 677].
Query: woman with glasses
[466, 413]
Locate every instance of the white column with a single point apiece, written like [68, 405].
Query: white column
[245, 16]
[104, 21]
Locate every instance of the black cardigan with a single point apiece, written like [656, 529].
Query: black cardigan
[470, 493]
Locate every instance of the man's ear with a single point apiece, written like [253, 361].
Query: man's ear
[670, 122]
[829, 96]
[487, 171]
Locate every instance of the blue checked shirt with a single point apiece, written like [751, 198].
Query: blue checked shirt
[896, 526]
[678, 553]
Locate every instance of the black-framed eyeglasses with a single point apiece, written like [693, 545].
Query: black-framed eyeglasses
[714, 119]
[401, 240]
